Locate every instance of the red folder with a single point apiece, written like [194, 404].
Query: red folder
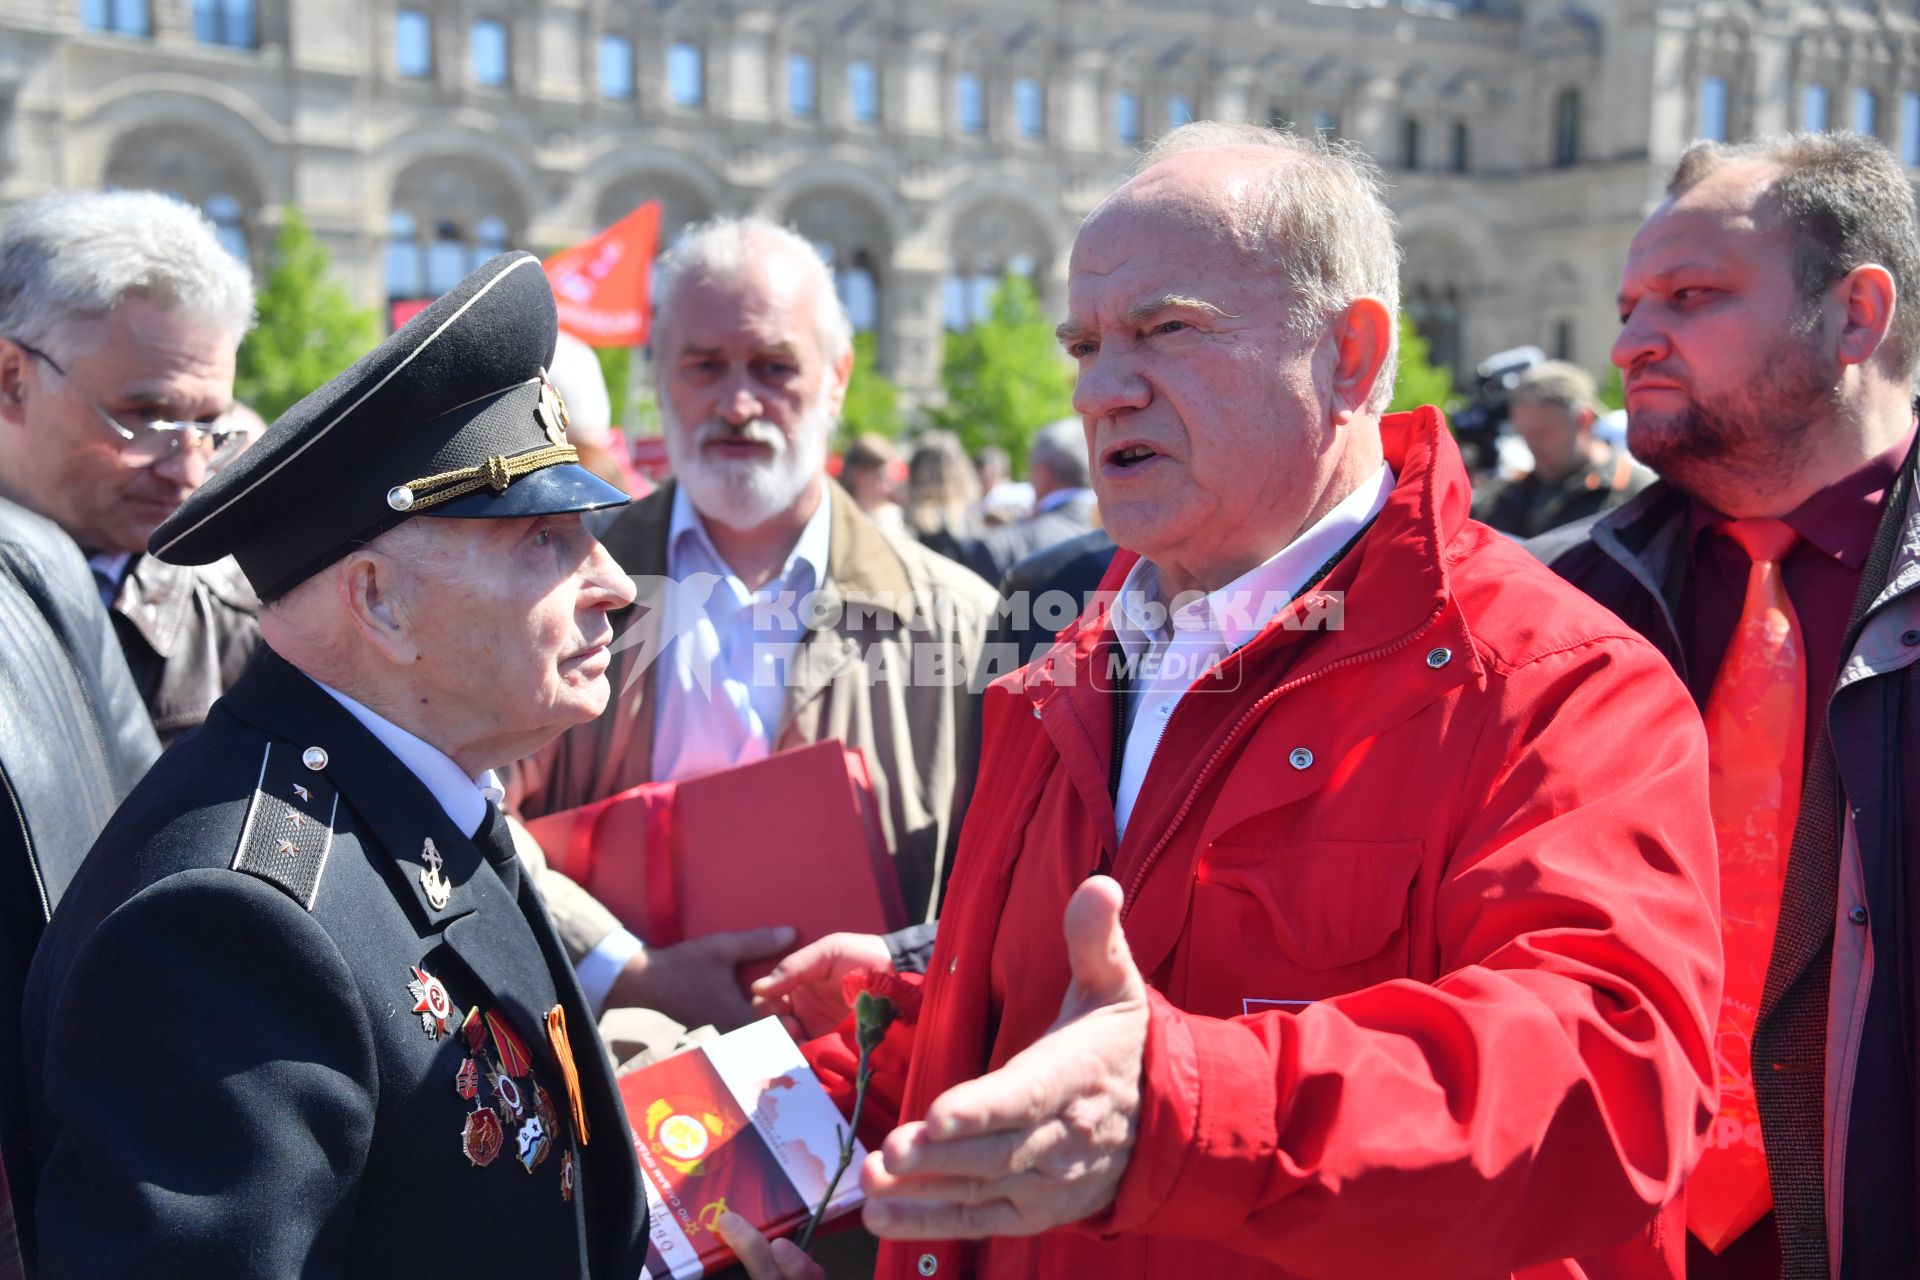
[793, 839]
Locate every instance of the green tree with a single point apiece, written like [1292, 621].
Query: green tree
[1613, 392]
[1419, 381]
[308, 328]
[873, 401]
[1005, 377]
[616, 366]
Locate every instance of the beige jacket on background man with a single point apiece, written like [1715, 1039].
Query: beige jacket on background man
[920, 737]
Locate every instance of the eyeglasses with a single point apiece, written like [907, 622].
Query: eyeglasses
[143, 441]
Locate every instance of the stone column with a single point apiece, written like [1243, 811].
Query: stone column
[911, 318]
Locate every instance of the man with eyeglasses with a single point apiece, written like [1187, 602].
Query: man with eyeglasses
[120, 315]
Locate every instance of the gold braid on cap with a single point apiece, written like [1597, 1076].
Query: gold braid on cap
[496, 473]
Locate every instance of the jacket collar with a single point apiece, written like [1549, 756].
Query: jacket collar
[156, 598]
[1399, 566]
[1397, 575]
[397, 812]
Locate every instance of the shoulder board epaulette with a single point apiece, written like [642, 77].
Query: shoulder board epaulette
[289, 828]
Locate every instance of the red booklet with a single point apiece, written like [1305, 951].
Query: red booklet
[741, 1123]
[793, 839]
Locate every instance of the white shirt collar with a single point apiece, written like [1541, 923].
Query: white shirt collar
[1239, 611]
[463, 797]
[810, 550]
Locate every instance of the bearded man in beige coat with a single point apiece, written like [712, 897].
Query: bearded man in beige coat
[752, 353]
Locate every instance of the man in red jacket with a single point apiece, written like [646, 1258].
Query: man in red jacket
[1390, 937]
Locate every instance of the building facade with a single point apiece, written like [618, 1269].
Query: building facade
[929, 146]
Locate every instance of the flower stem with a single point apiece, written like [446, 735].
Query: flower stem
[863, 1074]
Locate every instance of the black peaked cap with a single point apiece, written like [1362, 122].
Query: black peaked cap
[452, 416]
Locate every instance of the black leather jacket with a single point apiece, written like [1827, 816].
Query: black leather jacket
[74, 738]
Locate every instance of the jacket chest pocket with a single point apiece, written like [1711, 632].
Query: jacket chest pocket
[1284, 925]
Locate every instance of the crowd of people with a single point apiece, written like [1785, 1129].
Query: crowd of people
[1371, 873]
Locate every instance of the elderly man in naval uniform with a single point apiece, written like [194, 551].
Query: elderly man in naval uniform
[301, 1012]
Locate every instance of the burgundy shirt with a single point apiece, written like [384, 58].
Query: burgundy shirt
[1836, 528]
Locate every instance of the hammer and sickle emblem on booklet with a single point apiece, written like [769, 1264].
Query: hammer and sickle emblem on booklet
[435, 884]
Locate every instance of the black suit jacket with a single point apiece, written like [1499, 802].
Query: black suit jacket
[1031, 612]
[994, 553]
[227, 1073]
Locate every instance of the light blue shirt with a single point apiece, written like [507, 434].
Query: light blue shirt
[721, 682]
[1168, 650]
[462, 795]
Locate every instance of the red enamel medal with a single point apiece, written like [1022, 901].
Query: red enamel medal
[431, 1002]
[482, 1137]
[467, 1083]
[507, 1094]
[566, 1175]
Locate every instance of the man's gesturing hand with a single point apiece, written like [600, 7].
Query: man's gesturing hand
[1042, 1141]
[804, 989]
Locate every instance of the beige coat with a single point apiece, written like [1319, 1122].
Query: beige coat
[891, 604]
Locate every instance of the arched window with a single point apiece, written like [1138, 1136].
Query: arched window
[1410, 143]
[1126, 117]
[489, 238]
[686, 74]
[228, 22]
[1712, 123]
[803, 98]
[1029, 108]
[1566, 129]
[863, 91]
[1462, 158]
[446, 259]
[1866, 112]
[859, 292]
[406, 272]
[229, 225]
[1813, 108]
[969, 104]
[121, 17]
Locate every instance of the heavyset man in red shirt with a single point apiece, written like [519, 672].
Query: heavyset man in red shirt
[1390, 942]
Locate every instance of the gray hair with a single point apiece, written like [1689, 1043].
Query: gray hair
[1061, 447]
[1319, 214]
[74, 257]
[723, 247]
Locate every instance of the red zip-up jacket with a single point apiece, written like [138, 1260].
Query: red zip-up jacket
[1426, 904]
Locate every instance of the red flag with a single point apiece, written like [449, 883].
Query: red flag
[600, 285]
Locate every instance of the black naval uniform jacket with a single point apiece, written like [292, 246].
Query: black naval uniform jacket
[227, 1074]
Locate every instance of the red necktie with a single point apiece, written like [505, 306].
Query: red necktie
[1756, 737]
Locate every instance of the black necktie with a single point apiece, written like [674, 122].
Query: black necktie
[496, 842]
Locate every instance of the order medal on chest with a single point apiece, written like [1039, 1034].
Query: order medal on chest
[510, 1112]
